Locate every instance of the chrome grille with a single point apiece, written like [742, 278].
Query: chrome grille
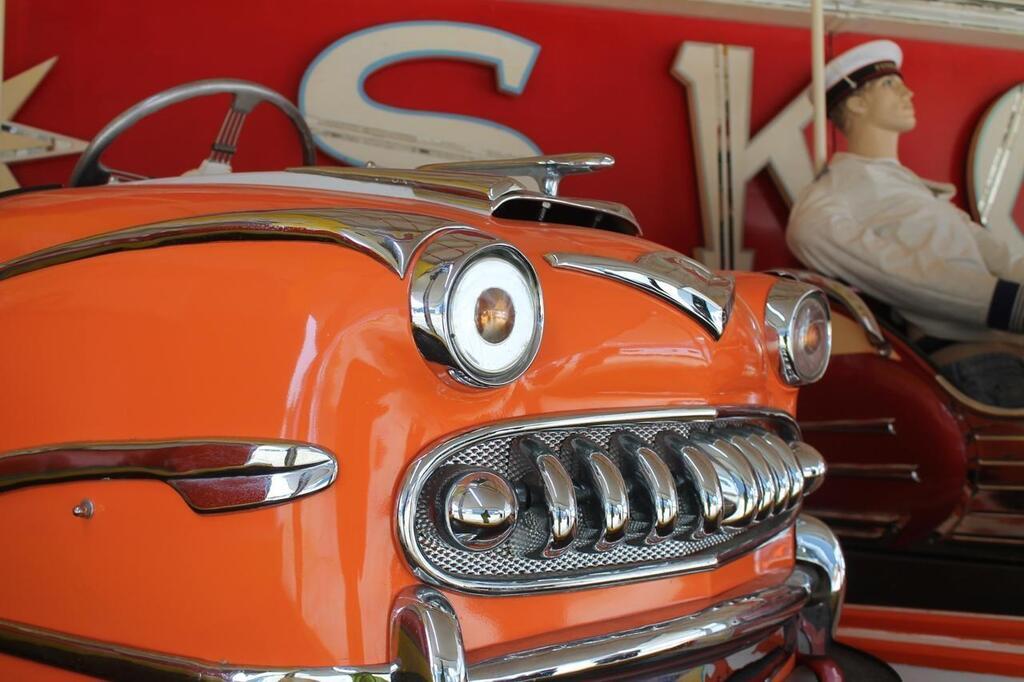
[756, 497]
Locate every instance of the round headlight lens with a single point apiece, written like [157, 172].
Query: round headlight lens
[798, 320]
[810, 339]
[494, 318]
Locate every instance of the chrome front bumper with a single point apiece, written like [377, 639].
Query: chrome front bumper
[426, 639]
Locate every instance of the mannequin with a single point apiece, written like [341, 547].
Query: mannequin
[870, 221]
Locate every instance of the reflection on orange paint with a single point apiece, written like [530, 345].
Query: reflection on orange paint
[307, 342]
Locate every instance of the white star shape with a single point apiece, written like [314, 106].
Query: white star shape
[19, 142]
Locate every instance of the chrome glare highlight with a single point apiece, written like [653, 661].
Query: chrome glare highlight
[389, 236]
[480, 509]
[672, 277]
[785, 301]
[211, 476]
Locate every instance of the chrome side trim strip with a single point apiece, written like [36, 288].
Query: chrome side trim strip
[997, 438]
[672, 277]
[900, 472]
[547, 171]
[210, 475]
[389, 236]
[883, 426]
[993, 525]
[861, 525]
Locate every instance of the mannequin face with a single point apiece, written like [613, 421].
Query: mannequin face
[884, 103]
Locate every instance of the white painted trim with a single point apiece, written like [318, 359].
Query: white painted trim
[942, 641]
[989, 23]
[930, 612]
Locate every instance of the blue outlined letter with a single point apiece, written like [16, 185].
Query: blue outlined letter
[352, 128]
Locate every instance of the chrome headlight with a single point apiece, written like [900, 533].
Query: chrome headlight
[477, 308]
[797, 316]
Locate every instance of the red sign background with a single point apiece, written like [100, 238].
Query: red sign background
[601, 83]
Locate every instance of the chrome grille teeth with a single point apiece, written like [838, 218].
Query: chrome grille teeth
[776, 467]
[812, 464]
[603, 496]
[785, 456]
[657, 485]
[612, 499]
[548, 480]
[762, 477]
[702, 478]
[731, 465]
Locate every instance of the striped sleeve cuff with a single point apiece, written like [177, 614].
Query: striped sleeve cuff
[1007, 308]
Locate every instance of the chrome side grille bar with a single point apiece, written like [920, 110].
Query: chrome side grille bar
[601, 500]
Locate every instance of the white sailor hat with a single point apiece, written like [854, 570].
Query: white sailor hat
[860, 65]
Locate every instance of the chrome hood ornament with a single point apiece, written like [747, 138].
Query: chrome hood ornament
[680, 281]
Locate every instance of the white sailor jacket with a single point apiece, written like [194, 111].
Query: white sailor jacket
[876, 225]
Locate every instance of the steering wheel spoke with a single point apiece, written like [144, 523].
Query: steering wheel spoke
[224, 147]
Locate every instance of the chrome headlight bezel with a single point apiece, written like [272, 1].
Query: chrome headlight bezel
[450, 261]
[786, 300]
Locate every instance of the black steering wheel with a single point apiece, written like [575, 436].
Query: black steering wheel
[89, 170]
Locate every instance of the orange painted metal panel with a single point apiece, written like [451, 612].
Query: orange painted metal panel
[305, 342]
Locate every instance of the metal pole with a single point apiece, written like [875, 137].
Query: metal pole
[2, 14]
[818, 82]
